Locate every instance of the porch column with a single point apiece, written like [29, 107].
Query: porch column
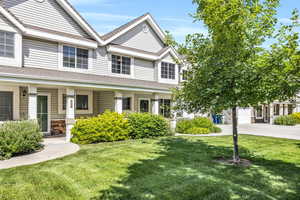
[173, 117]
[70, 113]
[155, 105]
[118, 102]
[281, 109]
[286, 109]
[32, 103]
[271, 113]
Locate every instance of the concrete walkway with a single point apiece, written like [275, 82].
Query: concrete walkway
[288, 132]
[54, 148]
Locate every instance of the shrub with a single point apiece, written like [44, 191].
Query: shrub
[287, 120]
[197, 130]
[107, 127]
[216, 129]
[183, 125]
[19, 137]
[145, 125]
[297, 117]
[202, 122]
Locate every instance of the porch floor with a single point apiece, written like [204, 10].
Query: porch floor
[54, 148]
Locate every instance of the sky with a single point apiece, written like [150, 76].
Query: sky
[171, 15]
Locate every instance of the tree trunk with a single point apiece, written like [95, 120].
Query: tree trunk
[236, 156]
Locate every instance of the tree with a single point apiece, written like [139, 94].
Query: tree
[229, 67]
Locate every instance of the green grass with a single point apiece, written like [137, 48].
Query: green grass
[163, 169]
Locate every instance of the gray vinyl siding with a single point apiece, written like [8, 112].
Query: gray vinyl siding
[144, 70]
[40, 54]
[137, 38]
[49, 15]
[100, 62]
[106, 101]
[5, 22]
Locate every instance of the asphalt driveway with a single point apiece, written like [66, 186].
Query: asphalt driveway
[289, 132]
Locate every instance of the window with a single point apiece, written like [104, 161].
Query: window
[167, 70]
[121, 65]
[7, 44]
[259, 112]
[184, 75]
[276, 109]
[75, 57]
[144, 105]
[290, 109]
[82, 102]
[165, 107]
[6, 106]
[127, 103]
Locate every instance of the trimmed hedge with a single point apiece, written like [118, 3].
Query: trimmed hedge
[185, 126]
[107, 127]
[197, 130]
[19, 137]
[145, 125]
[287, 120]
[297, 117]
[112, 126]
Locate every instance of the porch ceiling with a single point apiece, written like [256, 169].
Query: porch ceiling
[73, 79]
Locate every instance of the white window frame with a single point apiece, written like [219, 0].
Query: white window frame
[262, 113]
[61, 59]
[131, 102]
[16, 99]
[15, 61]
[132, 68]
[165, 80]
[90, 110]
[147, 99]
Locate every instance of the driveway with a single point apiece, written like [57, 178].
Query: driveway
[289, 132]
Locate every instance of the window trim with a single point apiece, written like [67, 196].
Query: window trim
[61, 58]
[12, 104]
[149, 107]
[16, 99]
[90, 94]
[5, 44]
[132, 65]
[168, 70]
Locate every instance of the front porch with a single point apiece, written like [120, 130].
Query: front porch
[57, 108]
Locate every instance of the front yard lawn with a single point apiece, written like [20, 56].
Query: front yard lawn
[162, 169]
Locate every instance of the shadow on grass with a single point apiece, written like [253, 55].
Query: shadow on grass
[185, 170]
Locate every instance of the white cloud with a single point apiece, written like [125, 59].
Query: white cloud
[89, 2]
[285, 20]
[183, 31]
[106, 16]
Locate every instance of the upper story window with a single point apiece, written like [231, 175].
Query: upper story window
[121, 65]
[7, 44]
[167, 70]
[75, 57]
[184, 75]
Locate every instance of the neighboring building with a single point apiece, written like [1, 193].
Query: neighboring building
[56, 68]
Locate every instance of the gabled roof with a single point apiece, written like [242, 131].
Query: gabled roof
[8, 15]
[109, 37]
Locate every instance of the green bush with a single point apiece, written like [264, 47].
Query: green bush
[297, 117]
[203, 122]
[287, 120]
[19, 137]
[183, 125]
[145, 125]
[107, 127]
[197, 130]
[216, 129]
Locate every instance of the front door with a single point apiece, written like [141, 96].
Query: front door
[144, 105]
[42, 113]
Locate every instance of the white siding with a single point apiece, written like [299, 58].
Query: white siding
[48, 15]
[40, 54]
[137, 38]
[144, 70]
[4, 22]
[100, 66]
